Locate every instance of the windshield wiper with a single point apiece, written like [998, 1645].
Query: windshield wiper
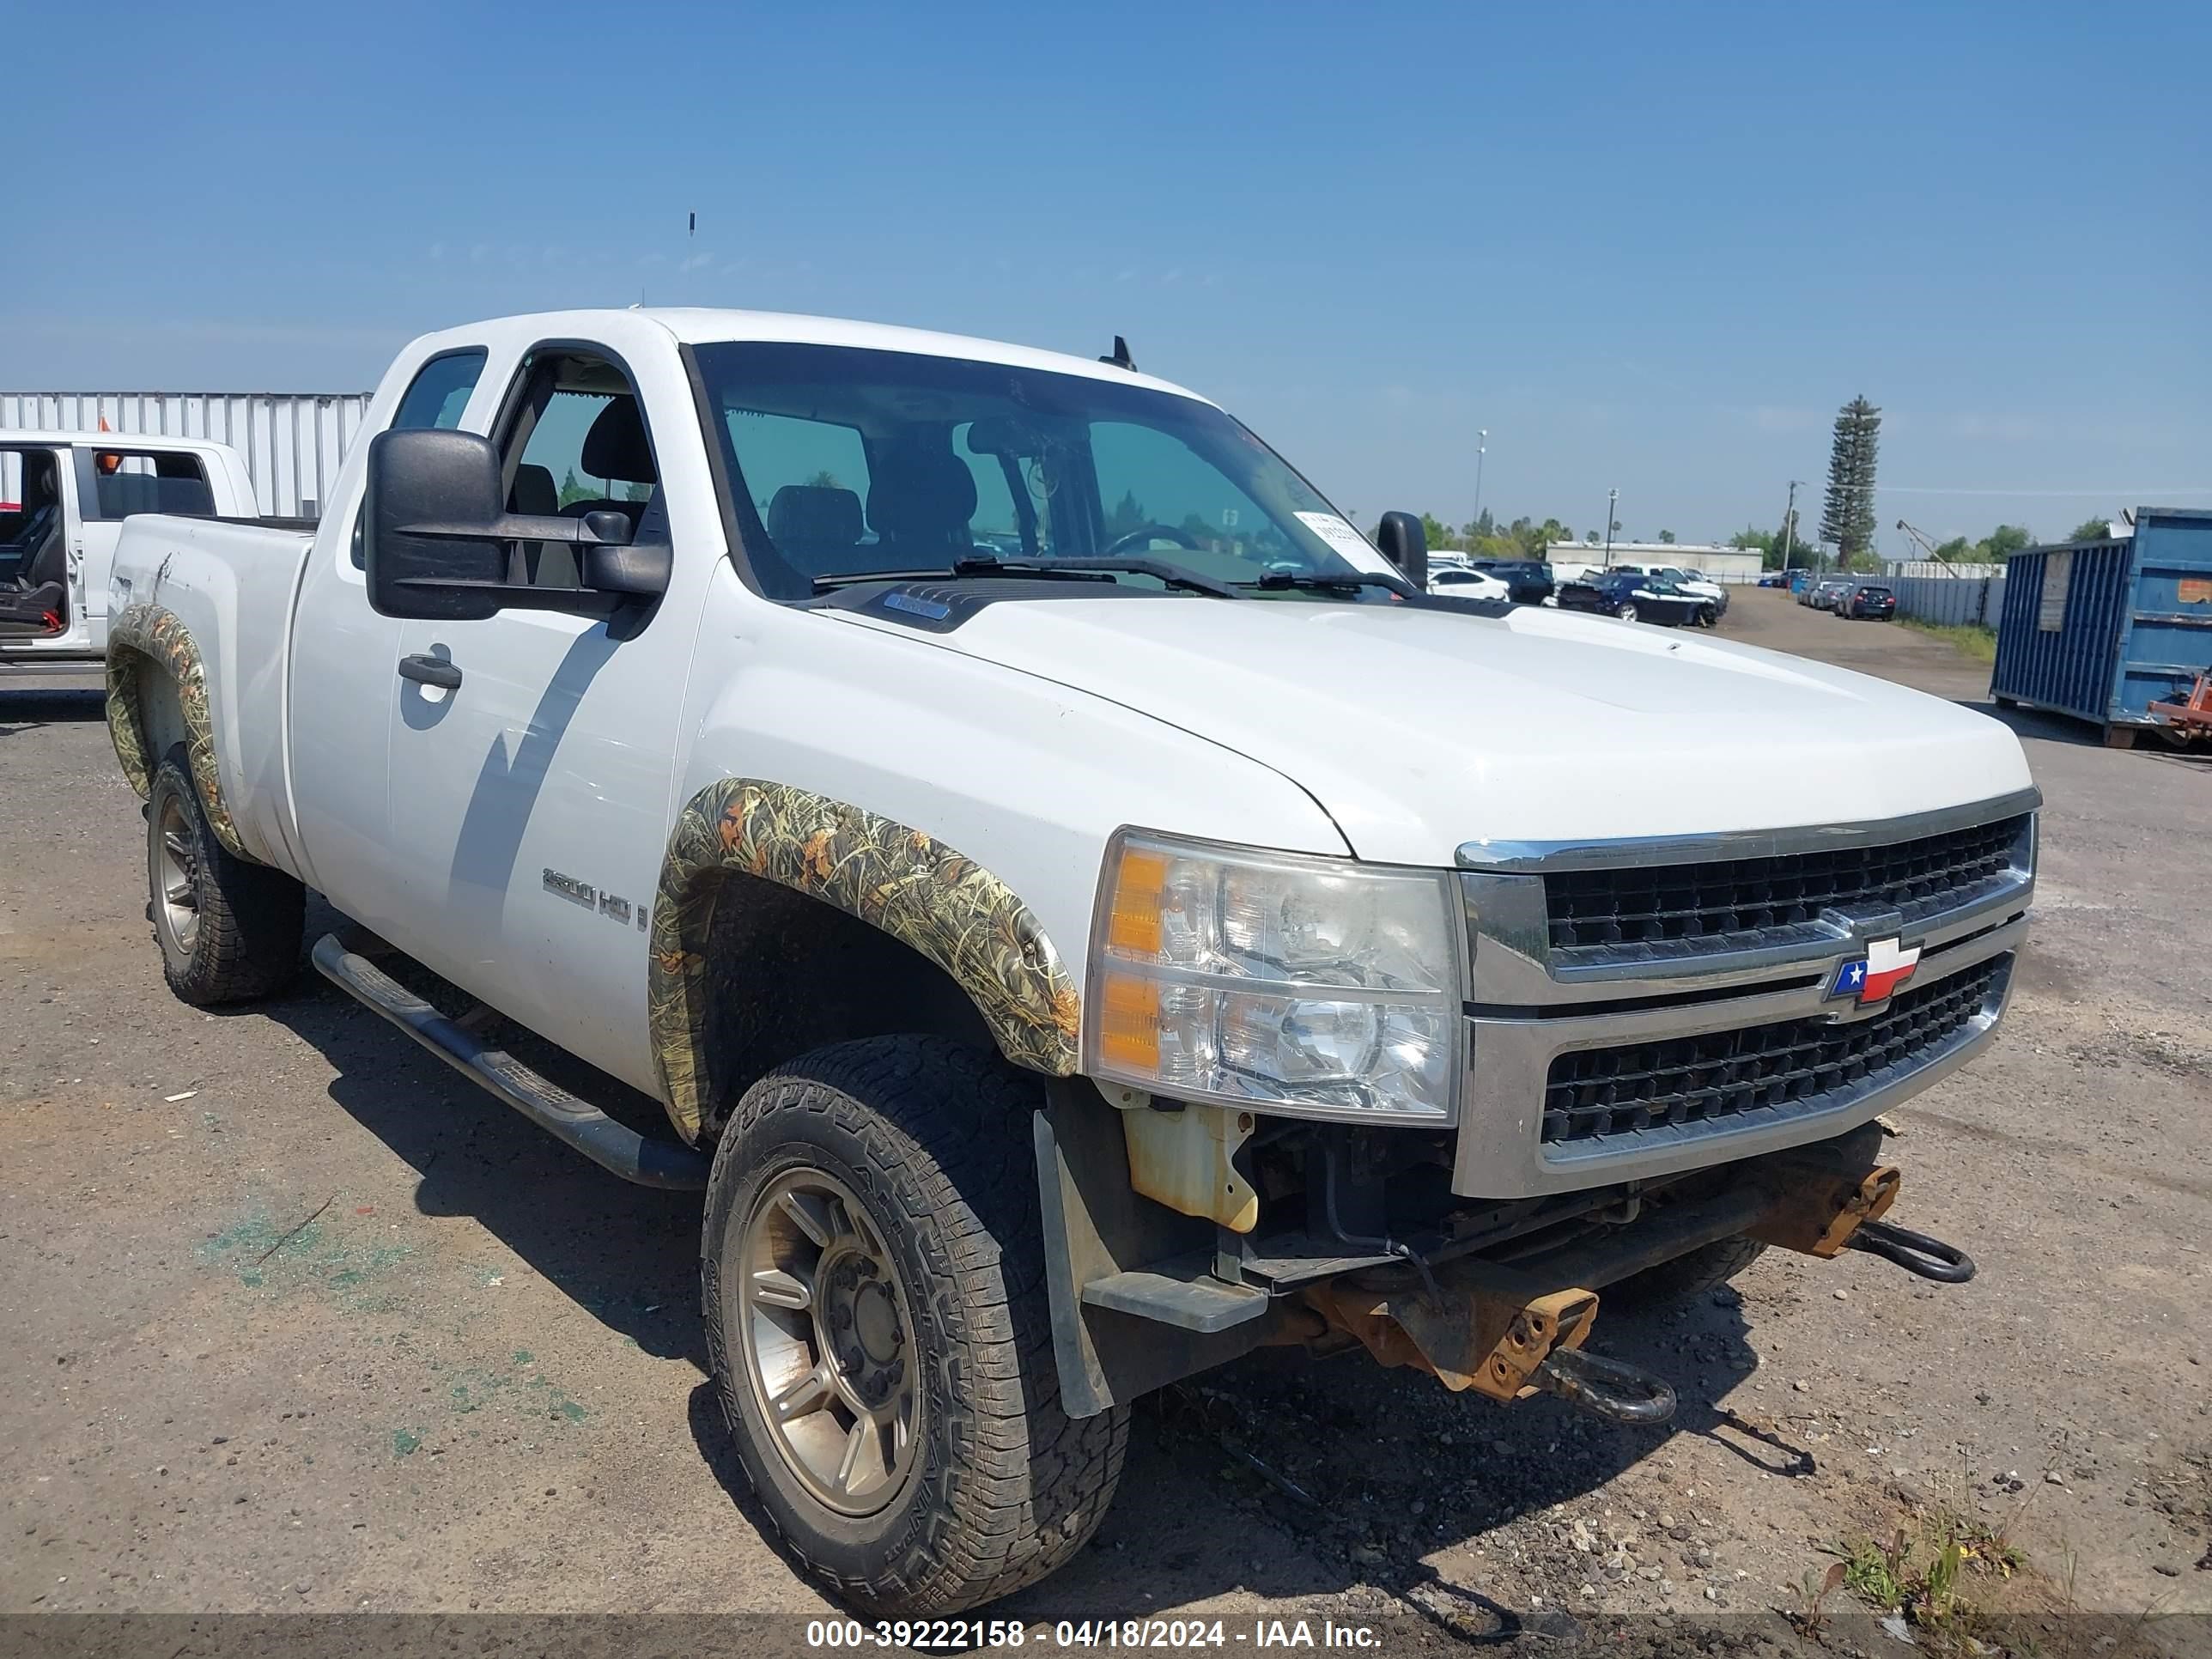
[1047, 570]
[1174, 575]
[1314, 582]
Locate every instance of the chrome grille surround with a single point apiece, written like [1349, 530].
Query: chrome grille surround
[1531, 1001]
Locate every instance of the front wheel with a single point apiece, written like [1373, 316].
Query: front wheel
[880, 1329]
[229, 931]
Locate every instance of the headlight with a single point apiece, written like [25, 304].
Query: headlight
[1316, 988]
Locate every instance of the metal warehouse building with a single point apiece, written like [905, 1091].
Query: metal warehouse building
[292, 441]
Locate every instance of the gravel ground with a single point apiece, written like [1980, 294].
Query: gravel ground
[300, 1322]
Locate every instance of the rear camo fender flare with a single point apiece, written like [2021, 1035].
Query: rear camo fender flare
[146, 638]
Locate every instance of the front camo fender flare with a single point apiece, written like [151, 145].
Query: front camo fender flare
[914, 887]
[152, 637]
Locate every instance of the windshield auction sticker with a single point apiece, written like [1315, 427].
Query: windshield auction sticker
[1346, 540]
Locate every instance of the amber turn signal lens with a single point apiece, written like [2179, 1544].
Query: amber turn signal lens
[1140, 889]
[1129, 1024]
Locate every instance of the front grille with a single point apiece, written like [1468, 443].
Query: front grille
[1676, 903]
[1791, 1066]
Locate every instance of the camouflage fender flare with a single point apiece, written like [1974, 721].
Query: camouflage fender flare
[909, 883]
[152, 633]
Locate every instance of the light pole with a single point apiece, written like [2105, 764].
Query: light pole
[1790, 523]
[1611, 497]
[1481, 443]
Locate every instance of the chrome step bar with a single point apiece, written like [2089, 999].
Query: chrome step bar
[613, 1146]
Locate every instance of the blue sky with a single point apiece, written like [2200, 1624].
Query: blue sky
[1649, 247]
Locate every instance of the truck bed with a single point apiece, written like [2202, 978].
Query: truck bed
[230, 582]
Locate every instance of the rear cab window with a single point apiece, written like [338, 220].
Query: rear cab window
[435, 397]
[124, 481]
[440, 391]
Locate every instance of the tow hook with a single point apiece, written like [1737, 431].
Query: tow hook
[1917, 1253]
[1611, 1389]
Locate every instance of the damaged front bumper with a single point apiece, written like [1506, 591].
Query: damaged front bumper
[1505, 1327]
[1500, 1300]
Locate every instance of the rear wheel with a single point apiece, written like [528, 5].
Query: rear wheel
[229, 931]
[1626, 613]
[880, 1329]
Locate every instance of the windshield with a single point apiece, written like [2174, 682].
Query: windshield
[847, 461]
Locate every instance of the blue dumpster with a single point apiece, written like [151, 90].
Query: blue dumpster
[2100, 630]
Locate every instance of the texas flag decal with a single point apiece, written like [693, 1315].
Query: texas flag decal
[1872, 976]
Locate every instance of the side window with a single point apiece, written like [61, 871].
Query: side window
[435, 398]
[574, 442]
[556, 452]
[809, 482]
[440, 391]
[127, 481]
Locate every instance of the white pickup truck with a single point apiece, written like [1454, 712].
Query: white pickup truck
[64, 496]
[1002, 812]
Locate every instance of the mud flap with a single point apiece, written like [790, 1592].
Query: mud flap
[1108, 1252]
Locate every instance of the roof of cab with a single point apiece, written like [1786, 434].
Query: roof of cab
[703, 326]
[14, 437]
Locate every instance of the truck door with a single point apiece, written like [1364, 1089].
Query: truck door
[532, 752]
[38, 560]
[342, 684]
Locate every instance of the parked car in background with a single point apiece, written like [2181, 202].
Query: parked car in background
[1685, 581]
[1867, 600]
[1460, 581]
[68, 493]
[1529, 579]
[1802, 582]
[1775, 579]
[1712, 592]
[1824, 594]
[1633, 597]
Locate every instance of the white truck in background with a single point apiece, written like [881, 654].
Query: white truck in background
[64, 496]
[1037, 853]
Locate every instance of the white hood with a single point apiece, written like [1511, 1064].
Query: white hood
[1419, 730]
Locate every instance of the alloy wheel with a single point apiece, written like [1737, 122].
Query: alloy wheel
[825, 1325]
[176, 869]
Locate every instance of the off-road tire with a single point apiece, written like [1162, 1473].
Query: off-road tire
[249, 916]
[935, 1139]
[1687, 1277]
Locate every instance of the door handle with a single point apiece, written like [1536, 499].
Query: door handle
[425, 670]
